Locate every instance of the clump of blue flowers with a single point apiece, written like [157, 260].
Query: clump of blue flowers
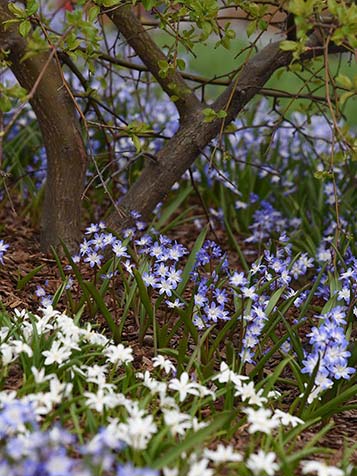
[3, 248]
[26, 449]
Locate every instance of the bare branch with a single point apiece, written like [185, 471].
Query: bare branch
[202, 80]
[252, 77]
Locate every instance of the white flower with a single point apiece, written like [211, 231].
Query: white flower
[94, 338]
[59, 391]
[23, 314]
[154, 385]
[109, 436]
[43, 402]
[287, 419]
[129, 266]
[204, 391]
[226, 375]
[273, 394]
[164, 364]
[57, 354]
[262, 462]
[100, 400]
[197, 425]
[168, 403]
[315, 393]
[170, 471]
[177, 421]
[199, 468]
[183, 386]
[96, 373]
[7, 396]
[222, 454]
[175, 304]
[7, 353]
[48, 313]
[320, 468]
[247, 392]
[118, 354]
[138, 431]
[261, 420]
[20, 346]
[40, 375]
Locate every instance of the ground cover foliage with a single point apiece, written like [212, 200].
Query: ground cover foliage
[248, 325]
[220, 338]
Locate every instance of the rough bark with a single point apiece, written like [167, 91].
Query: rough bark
[60, 128]
[179, 153]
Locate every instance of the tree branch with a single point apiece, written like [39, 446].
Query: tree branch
[150, 54]
[258, 70]
[179, 153]
[202, 80]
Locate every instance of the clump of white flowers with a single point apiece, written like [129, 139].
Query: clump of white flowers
[71, 371]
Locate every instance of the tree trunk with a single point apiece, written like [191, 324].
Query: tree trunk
[40, 75]
[180, 152]
[193, 135]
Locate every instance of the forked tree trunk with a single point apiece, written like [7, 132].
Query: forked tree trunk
[60, 128]
[180, 152]
[194, 134]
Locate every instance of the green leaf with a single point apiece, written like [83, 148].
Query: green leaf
[271, 380]
[76, 272]
[209, 114]
[24, 28]
[252, 27]
[186, 319]
[93, 13]
[235, 243]
[274, 300]
[344, 81]
[31, 7]
[288, 45]
[335, 405]
[346, 96]
[5, 103]
[137, 143]
[181, 64]
[173, 206]
[103, 309]
[191, 260]
[322, 174]
[144, 296]
[58, 294]
[148, 4]
[110, 3]
[221, 114]
[16, 10]
[21, 283]
[163, 65]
